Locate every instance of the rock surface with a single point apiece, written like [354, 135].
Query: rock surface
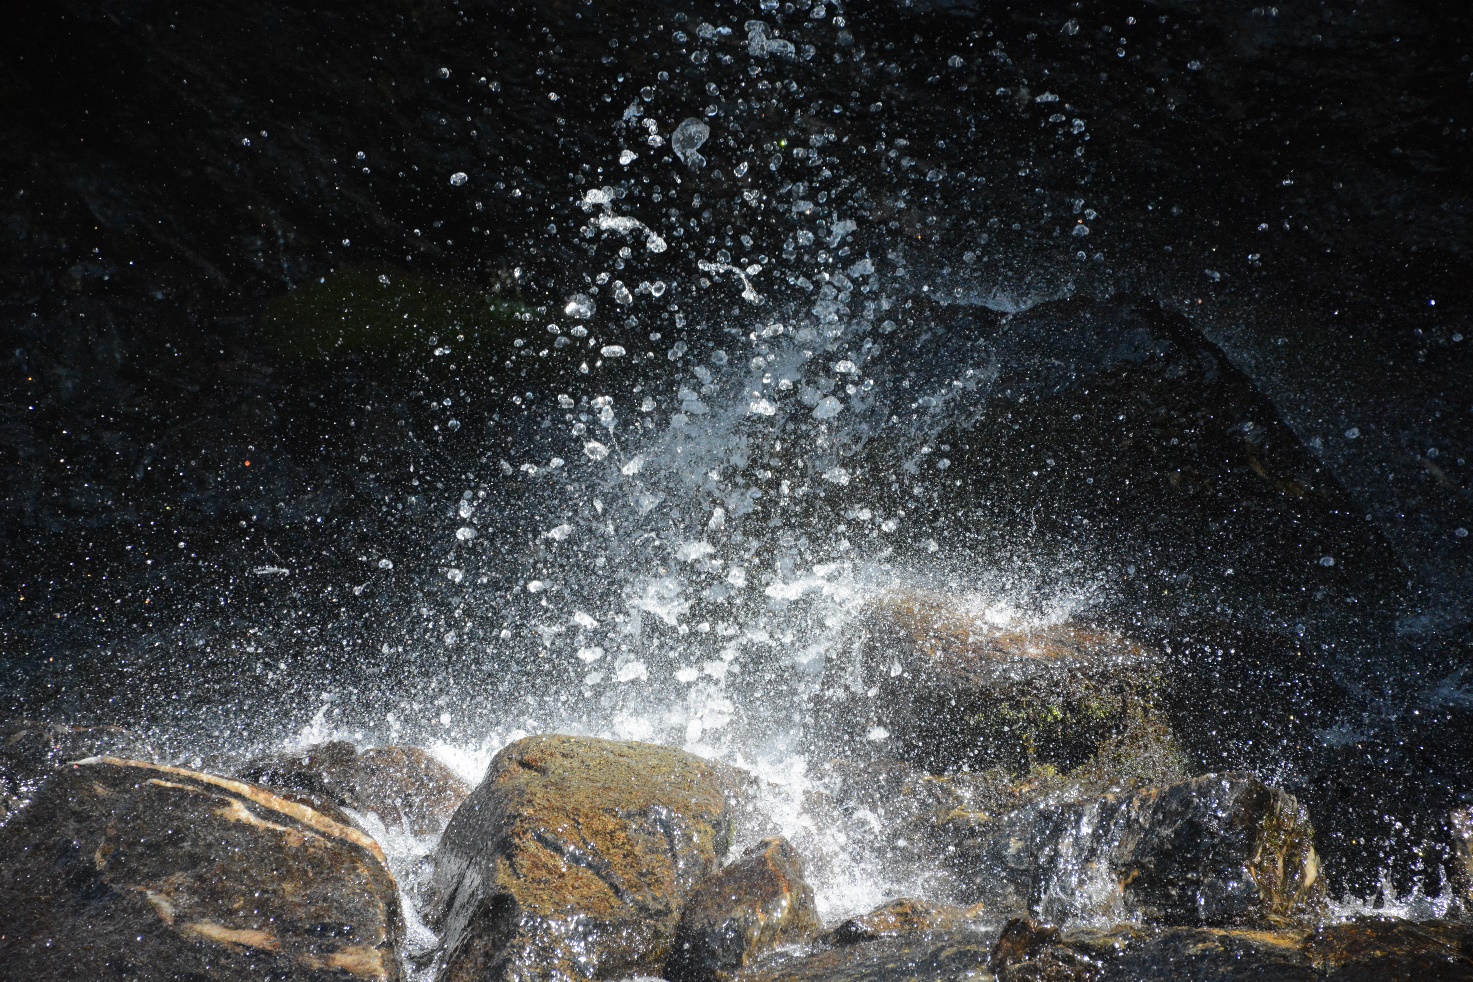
[1215, 850]
[903, 918]
[574, 858]
[920, 958]
[30, 751]
[401, 785]
[941, 687]
[751, 906]
[121, 869]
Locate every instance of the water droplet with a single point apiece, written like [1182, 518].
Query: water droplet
[458, 178]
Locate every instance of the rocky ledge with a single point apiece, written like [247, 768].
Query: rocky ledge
[1034, 776]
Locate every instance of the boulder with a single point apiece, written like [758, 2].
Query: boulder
[1223, 849]
[1182, 954]
[1215, 850]
[1373, 948]
[927, 957]
[934, 683]
[903, 918]
[753, 905]
[574, 858]
[401, 785]
[122, 869]
[30, 751]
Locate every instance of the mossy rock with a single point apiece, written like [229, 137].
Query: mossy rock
[933, 683]
[373, 311]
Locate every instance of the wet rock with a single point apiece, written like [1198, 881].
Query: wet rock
[30, 751]
[401, 785]
[1187, 955]
[934, 683]
[1224, 849]
[755, 904]
[1216, 850]
[1028, 950]
[1370, 949]
[124, 869]
[574, 858]
[921, 958]
[902, 918]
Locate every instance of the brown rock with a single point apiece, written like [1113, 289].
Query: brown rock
[1370, 949]
[937, 685]
[121, 869]
[902, 918]
[1181, 954]
[574, 858]
[30, 751]
[401, 785]
[913, 958]
[1216, 850]
[755, 904]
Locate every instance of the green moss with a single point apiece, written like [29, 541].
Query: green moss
[382, 311]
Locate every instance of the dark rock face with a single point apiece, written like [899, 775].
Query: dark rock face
[574, 858]
[1223, 849]
[124, 869]
[30, 751]
[755, 904]
[1216, 850]
[921, 958]
[902, 918]
[1461, 825]
[401, 785]
[934, 684]
[1368, 949]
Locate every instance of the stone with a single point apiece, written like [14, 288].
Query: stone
[30, 751]
[1181, 954]
[1223, 850]
[917, 958]
[902, 918]
[123, 869]
[748, 908]
[1369, 949]
[934, 683]
[573, 859]
[401, 785]
[1215, 850]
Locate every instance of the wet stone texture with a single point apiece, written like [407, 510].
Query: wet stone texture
[121, 869]
[755, 904]
[1215, 850]
[574, 858]
[905, 917]
[401, 785]
[30, 751]
[918, 958]
[940, 687]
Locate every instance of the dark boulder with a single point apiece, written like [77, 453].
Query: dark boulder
[1215, 850]
[926, 957]
[401, 785]
[906, 917]
[750, 907]
[574, 858]
[1374, 948]
[121, 869]
[932, 682]
[30, 751]
[1223, 849]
